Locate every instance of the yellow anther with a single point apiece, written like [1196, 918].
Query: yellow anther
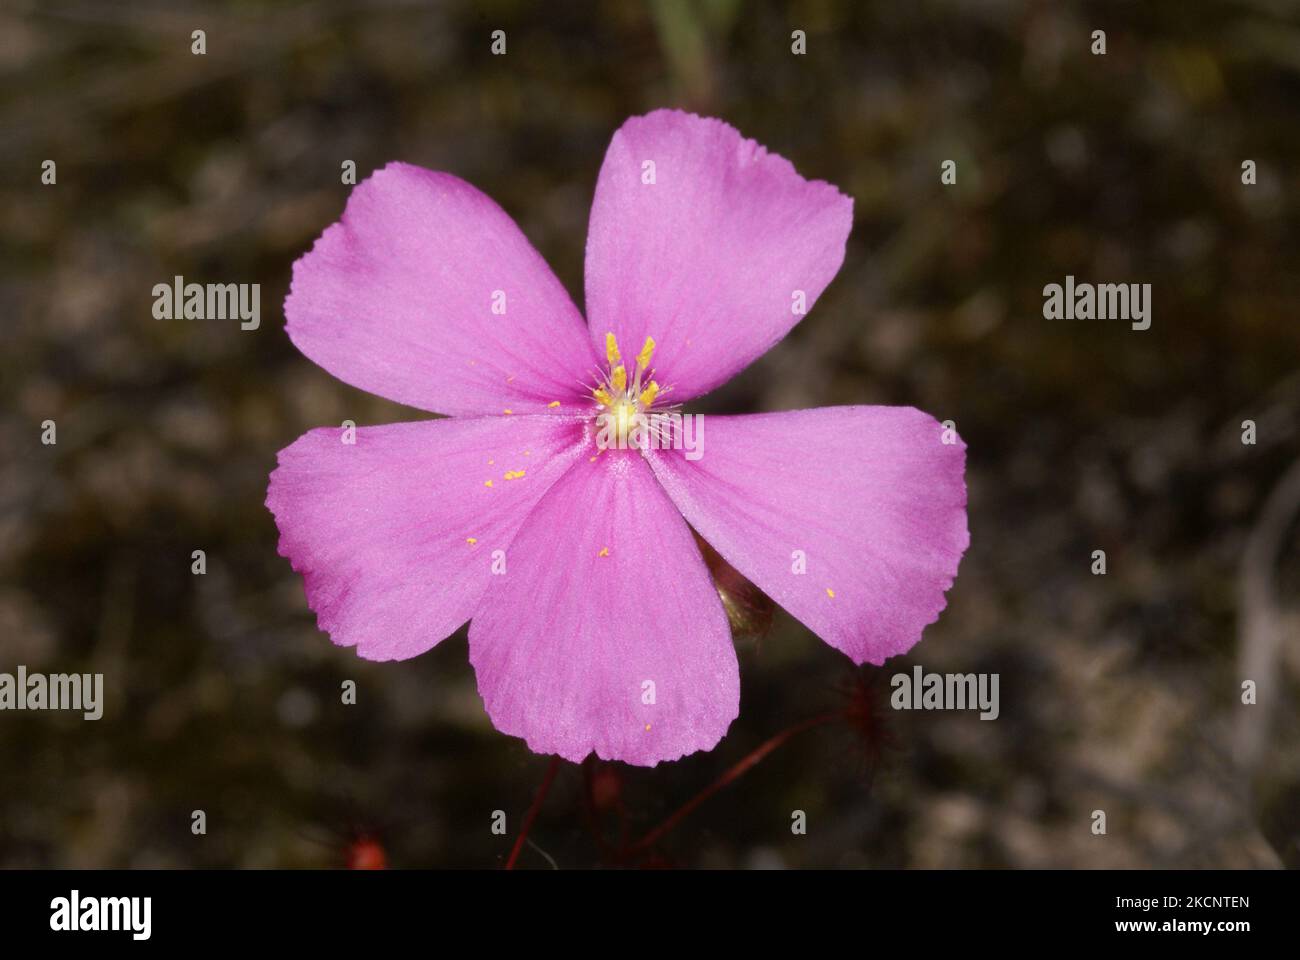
[602, 395]
[649, 393]
[611, 349]
[647, 351]
[618, 379]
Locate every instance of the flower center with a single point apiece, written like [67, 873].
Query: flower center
[624, 408]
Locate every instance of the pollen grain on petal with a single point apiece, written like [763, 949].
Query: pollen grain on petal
[514, 474]
[471, 540]
[604, 552]
[554, 403]
[487, 483]
[830, 593]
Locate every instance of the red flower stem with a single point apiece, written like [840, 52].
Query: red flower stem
[589, 814]
[531, 815]
[737, 770]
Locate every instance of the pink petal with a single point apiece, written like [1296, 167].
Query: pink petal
[708, 258]
[381, 530]
[565, 643]
[871, 496]
[397, 299]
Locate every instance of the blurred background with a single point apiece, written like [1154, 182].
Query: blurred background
[1119, 693]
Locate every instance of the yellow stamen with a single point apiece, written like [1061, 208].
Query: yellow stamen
[514, 474]
[618, 379]
[647, 351]
[611, 349]
[603, 396]
[554, 403]
[649, 393]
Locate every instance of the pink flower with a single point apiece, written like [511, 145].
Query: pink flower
[593, 621]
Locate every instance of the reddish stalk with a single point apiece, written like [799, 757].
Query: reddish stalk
[533, 810]
[737, 770]
[590, 815]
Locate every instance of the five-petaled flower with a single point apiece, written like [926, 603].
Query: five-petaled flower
[593, 621]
